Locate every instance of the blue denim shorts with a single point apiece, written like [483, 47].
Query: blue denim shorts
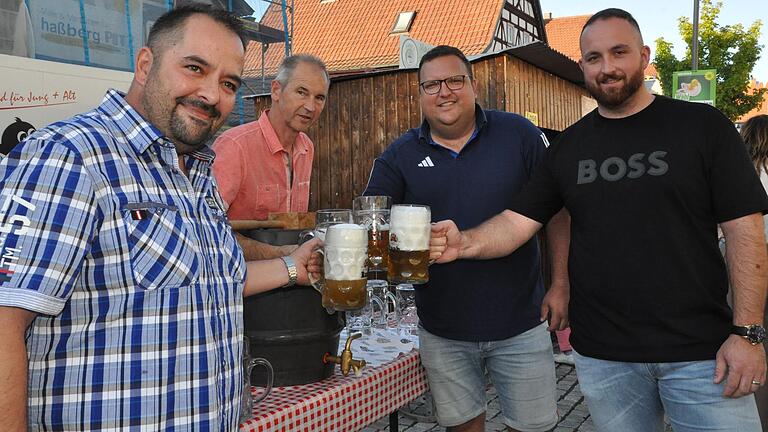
[634, 397]
[521, 369]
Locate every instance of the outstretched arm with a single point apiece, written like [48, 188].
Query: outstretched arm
[265, 275]
[496, 237]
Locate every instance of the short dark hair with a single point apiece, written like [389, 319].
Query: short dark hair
[614, 13]
[288, 65]
[170, 24]
[442, 51]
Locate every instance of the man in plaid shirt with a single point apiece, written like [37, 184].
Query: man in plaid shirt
[121, 282]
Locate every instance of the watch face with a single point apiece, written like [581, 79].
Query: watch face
[756, 334]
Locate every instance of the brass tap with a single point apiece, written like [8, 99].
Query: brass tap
[346, 361]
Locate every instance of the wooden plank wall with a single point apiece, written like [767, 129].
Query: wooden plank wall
[364, 114]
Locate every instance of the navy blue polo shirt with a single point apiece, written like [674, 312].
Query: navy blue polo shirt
[470, 300]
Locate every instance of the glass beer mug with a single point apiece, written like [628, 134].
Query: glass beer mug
[409, 232]
[372, 212]
[407, 316]
[247, 401]
[344, 255]
[324, 219]
[380, 297]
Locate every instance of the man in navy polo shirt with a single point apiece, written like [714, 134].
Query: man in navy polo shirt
[467, 164]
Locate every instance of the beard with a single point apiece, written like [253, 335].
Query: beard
[192, 134]
[188, 134]
[615, 97]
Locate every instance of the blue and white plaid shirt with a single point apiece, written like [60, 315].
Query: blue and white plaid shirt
[134, 271]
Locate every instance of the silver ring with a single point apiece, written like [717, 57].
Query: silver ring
[757, 383]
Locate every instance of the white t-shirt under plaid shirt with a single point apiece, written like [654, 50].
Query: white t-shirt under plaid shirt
[134, 272]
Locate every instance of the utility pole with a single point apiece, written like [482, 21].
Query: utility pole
[695, 45]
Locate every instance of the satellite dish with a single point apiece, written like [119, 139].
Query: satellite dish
[409, 55]
[411, 51]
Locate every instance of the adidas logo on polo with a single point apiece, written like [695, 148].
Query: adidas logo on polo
[427, 162]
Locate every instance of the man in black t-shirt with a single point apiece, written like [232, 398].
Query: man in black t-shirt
[647, 180]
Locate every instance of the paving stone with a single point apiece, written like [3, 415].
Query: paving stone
[421, 427]
[570, 405]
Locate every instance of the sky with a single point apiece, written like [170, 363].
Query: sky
[657, 18]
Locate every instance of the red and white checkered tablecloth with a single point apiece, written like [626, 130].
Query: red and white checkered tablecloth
[339, 403]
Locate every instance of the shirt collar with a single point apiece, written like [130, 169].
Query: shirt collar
[480, 121]
[139, 133]
[205, 154]
[273, 143]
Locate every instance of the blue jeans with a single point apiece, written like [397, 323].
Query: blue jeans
[633, 397]
[521, 369]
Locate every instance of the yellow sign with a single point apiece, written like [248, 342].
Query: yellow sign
[533, 117]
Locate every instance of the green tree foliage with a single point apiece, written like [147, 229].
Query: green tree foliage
[731, 49]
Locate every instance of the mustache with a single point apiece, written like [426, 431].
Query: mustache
[604, 77]
[209, 109]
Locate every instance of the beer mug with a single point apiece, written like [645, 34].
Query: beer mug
[360, 320]
[409, 232]
[407, 318]
[380, 298]
[372, 212]
[324, 219]
[344, 255]
[247, 401]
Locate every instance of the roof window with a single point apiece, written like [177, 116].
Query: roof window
[403, 22]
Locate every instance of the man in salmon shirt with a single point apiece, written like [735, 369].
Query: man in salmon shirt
[265, 166]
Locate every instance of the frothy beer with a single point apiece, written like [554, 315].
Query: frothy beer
[344, 266]
[409, 244]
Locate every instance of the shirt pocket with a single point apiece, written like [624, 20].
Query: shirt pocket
[268, 199]
[162, 253]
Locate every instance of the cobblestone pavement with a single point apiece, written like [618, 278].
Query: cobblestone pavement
[570, 405]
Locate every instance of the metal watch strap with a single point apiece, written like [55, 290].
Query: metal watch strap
[293, 274]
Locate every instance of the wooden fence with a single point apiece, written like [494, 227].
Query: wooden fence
[366, 113]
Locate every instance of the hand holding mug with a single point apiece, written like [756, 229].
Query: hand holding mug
[303, 257]
[445, 242]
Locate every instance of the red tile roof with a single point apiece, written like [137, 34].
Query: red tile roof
[651, 71]
[762, 109]
[355, 34]
[563, 35]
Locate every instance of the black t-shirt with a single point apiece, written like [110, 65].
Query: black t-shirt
[645, 193]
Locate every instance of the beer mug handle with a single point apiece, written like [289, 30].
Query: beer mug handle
[306, 235]
[270, 376]
[318, 283]
[391, 298]
[382, 308]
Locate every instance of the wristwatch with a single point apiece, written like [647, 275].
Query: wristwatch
[293, 274]
[754, 333]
